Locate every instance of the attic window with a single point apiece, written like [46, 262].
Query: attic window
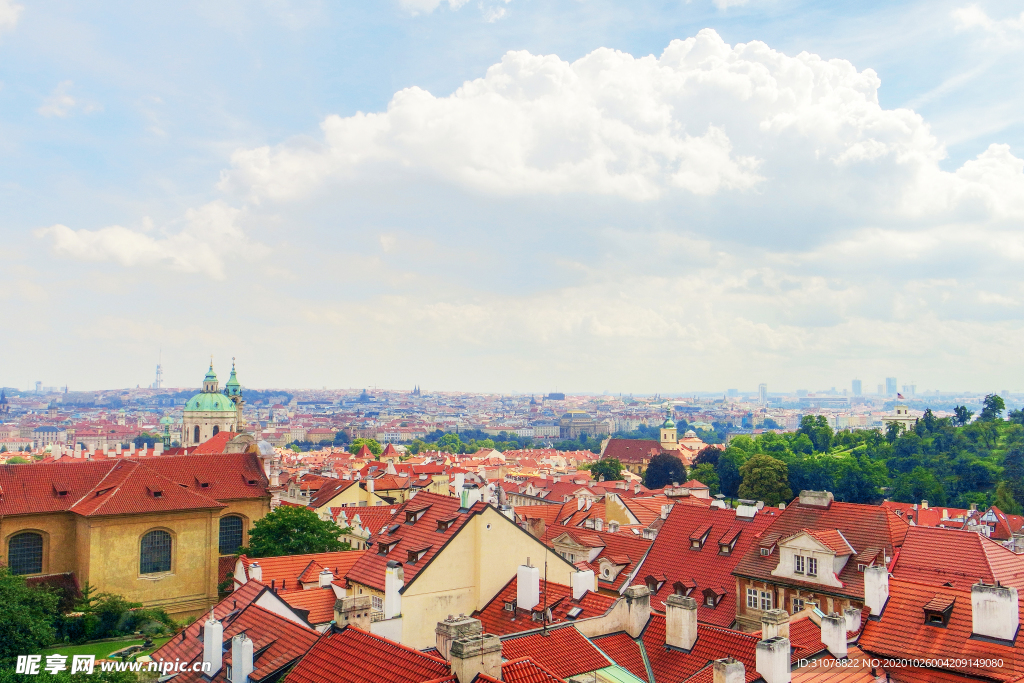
[767, 551]
[938, 610]
[416, 555]
[413, 516]
[510, 605]
[385, 547]
[724, 548]
[445, 524]
[698, 537]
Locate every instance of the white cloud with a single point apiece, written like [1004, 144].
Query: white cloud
[211, 234]
[1009, 31]
[10, 12]
[705, 118]
[61, 103]
[428, 6]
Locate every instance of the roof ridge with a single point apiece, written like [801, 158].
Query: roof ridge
[102, 479]
[392, 642]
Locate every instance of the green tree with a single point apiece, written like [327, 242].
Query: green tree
[609, 468]
[708, 455]
[664, 469]
[1013, 471]
[765, 478]
[893, 431]
[26, 619]
[919, 484]
[450, 443]
[728, 470]
[961, 415]
[993, 407]
[290, 530]
[17, 460]
[1016, 417]
[1005, 500]
[818, 431]
[372, 444]
[705, 473]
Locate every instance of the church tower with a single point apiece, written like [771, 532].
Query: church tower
[234, 391]
[669, 436]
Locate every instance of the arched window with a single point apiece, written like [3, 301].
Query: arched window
[216, 430]
[196, 438]
[230, 534]
[25, 553]
[155, 555]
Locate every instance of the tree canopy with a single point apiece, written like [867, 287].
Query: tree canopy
[765, 478]
[664, 469]
[26, 620]
[608, 468]
[993, 407]
[290, 530]
[372, 444]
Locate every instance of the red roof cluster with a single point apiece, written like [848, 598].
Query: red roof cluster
[563, 651]
[355, 656]
[500, 621]
[936, 555]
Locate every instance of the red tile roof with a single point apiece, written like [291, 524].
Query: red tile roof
[524, 671]
[318, 602]
[712, 643]
[563, 651]
[329, 490]
[624, 651]
[354, 656]
[901, 631]
[633, 451]
[287, 571]
[832, 539]
[214, 445]
[863, 526]
[497, 620]
[936, 555]
[127, 485]
[624, 550]
[672, 557]
[370, 569]
[372, 518]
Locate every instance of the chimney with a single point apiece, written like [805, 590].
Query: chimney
[158, 448]
[255, 572]
[476, 655]
[665, 509]
[924, 504]
[636, 488]
[394, 581]
[583, 582]
[118, 449]
[369, 485]
[680, 622]
[852, 615]
[241, 658]
[213, 635]
[876, 588]
[833, 634]
[945, 513]
[354, 611]
[131, 448]
[994, 611]
[774, 624]
[326, 577]
[613, 527]
[816, 499]
[772, 660]
[527, 586]
[729, 670]
[598, 524]
[638, 606]
[452, 629]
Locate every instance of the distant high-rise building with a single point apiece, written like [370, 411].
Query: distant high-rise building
[762, 393]
[857, 387]
[732, 392]
[39, 387]
[909, 390]
[159, 383]
[890, 386]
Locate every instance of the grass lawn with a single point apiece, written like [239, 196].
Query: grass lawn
[102, 649]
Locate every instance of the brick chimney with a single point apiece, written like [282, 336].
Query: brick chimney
[729, 670]
[876, 588]
[583, 582]
[255, 572]
[680, 622]
[452, 629]
[775, 624]
[475, 655]
[527, 586]
[638, 605]
[994, 611]
[833, 634]
[241, 658]
[213, 637]
[772, 660]
[353, 611]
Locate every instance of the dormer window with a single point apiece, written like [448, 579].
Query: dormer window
[698, 537]
[445, 524]
[385, 547]
[416, 555]
[938, 610]
[413, 516]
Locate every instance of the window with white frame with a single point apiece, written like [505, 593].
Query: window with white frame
[798, 564]
[766, 600]
[812, 566]
[377, 603]
[798, 605]
[752, 601]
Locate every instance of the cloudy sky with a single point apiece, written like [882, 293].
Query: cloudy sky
[513, 195]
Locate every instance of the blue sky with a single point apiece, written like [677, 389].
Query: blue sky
[310, 187]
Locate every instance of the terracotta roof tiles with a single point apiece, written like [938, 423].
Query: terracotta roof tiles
[563, 651]
[355, 656]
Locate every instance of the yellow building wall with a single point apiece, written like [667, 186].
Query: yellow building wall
[472, 568]
[351, 497]
[58, 532]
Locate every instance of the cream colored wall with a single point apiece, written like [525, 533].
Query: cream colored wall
[58, 532]
[472, 568]
[351, 497]
[808, 547]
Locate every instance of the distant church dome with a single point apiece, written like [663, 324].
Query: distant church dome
[690, 434]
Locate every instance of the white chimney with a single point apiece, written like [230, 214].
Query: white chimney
[994, 611]
[255, 572]
[852, 615]
[527, 586]
[774, 624]
[598, 524]
[326, 577]
[118, 449]
[729, 670]
[369, 485]
[394, 581]
[772, 660]
[680, 622]
[583, 582]
[241, 658]
[833, 634]
[638, 606]
[158, 448]
[131, 448]
[876, 588]
[213, 637]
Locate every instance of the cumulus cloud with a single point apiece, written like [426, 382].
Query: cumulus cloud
[10, 12]
[61, 103]
[210, 235]
[704, 118]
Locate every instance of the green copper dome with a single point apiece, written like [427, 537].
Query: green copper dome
[210, 403]
[668, 424]
[233, 388]
[211, 376]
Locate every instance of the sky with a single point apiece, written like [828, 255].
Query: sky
[513, 195]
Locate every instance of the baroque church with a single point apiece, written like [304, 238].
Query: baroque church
[211, 411]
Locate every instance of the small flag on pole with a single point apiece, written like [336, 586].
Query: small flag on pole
[899, 395]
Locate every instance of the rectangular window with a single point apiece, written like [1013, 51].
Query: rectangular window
[752, 598]
[812, 566]
[798, 564]
[766, 600]
[377, 603]
[798, 605]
